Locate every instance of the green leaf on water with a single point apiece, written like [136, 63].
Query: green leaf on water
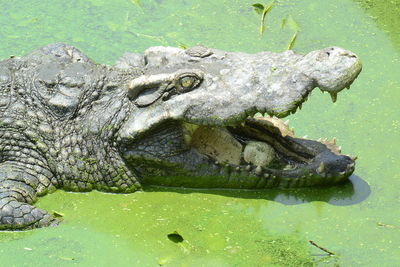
[292, 41]
[263, 11]
[66, 258]
[283, 23]
[136, 2]
[182, 45]
[164, 261]
[292, 24]
[57, 214]
[259, 8]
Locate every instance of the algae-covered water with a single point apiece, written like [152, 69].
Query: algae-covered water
[359, 221]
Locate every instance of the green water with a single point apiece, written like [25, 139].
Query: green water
[359, 221]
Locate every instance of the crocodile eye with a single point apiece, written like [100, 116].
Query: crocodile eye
[187, 82]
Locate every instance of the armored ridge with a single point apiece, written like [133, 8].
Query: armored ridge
[168, 117]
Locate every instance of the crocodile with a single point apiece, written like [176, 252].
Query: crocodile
[166, 117]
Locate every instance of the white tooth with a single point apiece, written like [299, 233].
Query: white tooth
[333, 96]
[287, 122]
[321, 167]
[305, 136]
[319, 139]
[354, 158]
[248, 167]
[266, 175]
[340, 149]
[237, 168]
[342, 173]
[258, 170]
[334, 140]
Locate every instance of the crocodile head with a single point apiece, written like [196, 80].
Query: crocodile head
[194, 123]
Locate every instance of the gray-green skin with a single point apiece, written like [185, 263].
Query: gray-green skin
[69, 123]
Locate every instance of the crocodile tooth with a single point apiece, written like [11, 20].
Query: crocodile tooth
[266, 175]
[342, 173]
[287, 122]
[258, 170]
[319, 139]
[248, 167]
[305, 137]
[333, 96]
[334, 140]
[321, 167]
[350, 166]
[237, 168]
[340, 149]
[216, 163]
[354, 158]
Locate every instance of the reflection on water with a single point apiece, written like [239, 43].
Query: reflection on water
[351, 192]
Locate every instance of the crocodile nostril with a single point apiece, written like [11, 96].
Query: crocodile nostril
[348, 55]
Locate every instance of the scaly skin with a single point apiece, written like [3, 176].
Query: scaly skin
[69, 123]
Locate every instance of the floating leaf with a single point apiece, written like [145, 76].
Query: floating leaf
[259, 8]
[175, 237]
[163, 261]
[283, 23]
[263, 11]
[66, 258]
[136, 2]
[292, 24]
[266, 10]
[57, 214]
[292, 41]
[182, 45]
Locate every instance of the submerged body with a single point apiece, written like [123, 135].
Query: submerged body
[168, 117]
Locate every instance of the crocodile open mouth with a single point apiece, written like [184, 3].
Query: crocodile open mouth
[265, 147]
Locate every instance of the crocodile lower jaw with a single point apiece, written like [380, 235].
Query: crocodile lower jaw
[265, 147]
